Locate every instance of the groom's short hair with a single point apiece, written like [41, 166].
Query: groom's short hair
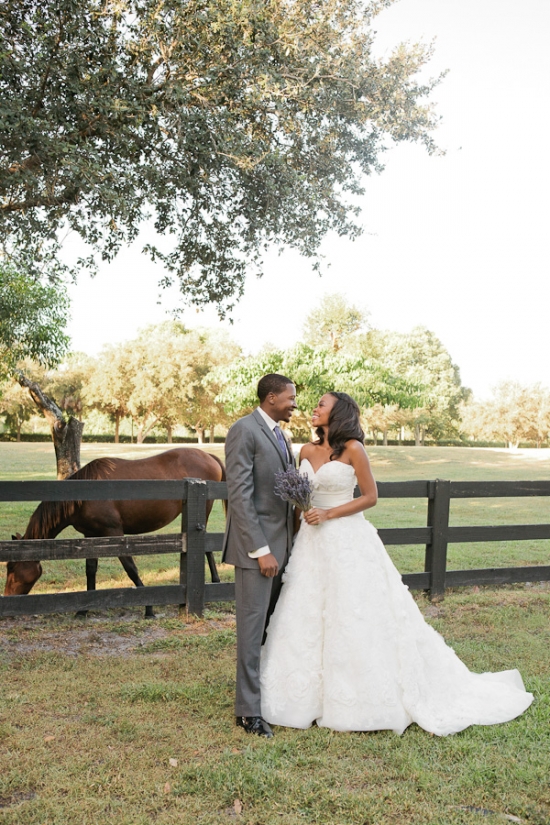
[272, 383]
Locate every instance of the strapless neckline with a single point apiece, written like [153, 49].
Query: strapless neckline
[326, 464]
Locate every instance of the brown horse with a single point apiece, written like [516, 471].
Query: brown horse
[114, 518]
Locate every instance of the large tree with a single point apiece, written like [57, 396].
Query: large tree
[206, 350]
[109, 384]
[228, 125]
[315, 371]
[419, 357]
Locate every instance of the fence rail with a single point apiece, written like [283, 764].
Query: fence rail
[193, 541]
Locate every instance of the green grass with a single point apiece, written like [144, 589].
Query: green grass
[117, 720]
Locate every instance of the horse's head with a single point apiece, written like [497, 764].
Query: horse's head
[21, 575]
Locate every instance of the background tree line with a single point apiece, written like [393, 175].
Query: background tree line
[169, 376]
[156, 381]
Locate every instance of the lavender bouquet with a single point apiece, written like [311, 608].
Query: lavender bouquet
[291, 486]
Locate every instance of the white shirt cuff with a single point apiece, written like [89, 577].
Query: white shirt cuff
[261, 551]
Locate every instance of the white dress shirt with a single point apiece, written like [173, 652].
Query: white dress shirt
[263, 551]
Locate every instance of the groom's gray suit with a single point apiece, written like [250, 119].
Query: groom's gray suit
[256, 518]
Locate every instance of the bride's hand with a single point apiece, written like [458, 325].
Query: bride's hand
[315, 516]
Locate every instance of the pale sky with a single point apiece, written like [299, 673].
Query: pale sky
[457, 243]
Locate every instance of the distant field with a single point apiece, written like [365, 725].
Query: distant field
[30, 461]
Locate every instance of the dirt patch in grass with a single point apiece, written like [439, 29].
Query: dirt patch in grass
[119, 636]
[16, 798]
[85, 641]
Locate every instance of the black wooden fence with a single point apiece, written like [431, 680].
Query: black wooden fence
[193, 541]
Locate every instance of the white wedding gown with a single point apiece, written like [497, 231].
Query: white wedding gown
[348, 648]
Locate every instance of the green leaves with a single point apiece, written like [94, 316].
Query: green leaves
[33, 316]
[233, 124]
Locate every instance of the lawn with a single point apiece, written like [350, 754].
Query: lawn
[116, 720]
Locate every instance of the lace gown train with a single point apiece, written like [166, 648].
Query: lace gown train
[347, 646]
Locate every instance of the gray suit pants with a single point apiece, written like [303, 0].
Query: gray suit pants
[255, 597]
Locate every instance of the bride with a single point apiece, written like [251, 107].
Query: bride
[347, 647]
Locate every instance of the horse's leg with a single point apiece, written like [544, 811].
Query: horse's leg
[212, 565]
[91, 571]
[132, 572]
[210, 555]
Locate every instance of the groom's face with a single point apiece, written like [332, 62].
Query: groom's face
[282, 404]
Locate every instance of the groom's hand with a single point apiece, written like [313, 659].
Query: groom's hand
[268, 565]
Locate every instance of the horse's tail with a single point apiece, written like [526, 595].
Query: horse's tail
[223, 478]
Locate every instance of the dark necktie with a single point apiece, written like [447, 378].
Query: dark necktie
[281, 439]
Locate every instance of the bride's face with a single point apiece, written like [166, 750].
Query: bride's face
[320, 415]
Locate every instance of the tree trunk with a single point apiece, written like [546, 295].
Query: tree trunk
[117, 428]
[66, 435]
[19, 424]
[168, 433]
[212, 433]
[385, 435]
[144, 430]
[417, 441]
[200, 434]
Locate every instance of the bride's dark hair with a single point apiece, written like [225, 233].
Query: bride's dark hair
[343, 424]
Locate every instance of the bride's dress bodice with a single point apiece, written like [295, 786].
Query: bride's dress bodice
[333, 483]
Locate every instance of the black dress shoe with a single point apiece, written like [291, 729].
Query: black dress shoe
[255, 724]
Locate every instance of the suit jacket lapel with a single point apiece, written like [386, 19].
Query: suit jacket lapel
[272, 440]
[289, 448]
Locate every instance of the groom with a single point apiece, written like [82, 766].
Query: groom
[258, 537]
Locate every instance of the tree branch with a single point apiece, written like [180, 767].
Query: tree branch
[52, 413]
[69, 196]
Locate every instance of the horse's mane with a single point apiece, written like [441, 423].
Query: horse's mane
[50, 514]
[97, 469]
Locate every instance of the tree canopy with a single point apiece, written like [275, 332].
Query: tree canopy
[315, 371]
[514, 413]
[161, 379]
[228, 126]
[333, 322]
[419, 357]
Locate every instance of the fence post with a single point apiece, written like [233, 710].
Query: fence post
[193, 558]
[184, 543]
[436, 552]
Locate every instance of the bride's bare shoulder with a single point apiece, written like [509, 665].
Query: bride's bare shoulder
[355, 451]
[307, 450]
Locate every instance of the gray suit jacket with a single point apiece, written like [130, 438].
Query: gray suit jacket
[256, 516]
